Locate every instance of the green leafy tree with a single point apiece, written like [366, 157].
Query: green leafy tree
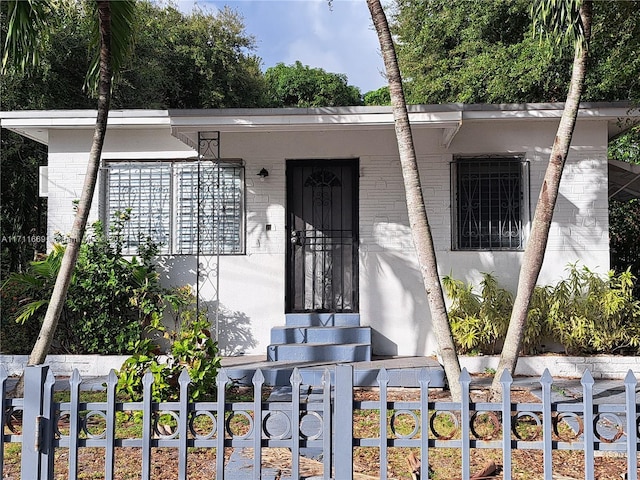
[624, 231]
[486, 51]
[378, 97]
[178, 61]
[626, 147]
[302, 86]
[196, 60]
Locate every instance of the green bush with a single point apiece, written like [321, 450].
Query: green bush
[191, 347]
[586, 313]
[110, 300]
[478, 321]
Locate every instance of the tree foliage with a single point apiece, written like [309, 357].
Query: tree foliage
[486, 51]
[200, 60]
[178, 61]
[624, 231]
[299, 85]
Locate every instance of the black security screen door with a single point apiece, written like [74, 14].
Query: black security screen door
[322, 222]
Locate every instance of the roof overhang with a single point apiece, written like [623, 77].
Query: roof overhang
[185, 124]
[36, 124]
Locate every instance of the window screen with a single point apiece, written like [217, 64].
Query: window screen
[182, 206]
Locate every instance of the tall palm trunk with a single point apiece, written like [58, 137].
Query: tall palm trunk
[537, 244]
[418, 221]
[63, 280]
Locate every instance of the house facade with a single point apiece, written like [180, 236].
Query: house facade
[284, 220]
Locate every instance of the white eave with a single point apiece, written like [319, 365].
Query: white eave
[36, 124]
[185, 124]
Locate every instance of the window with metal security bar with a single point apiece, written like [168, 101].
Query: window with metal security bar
[185, 207]
[490, 202]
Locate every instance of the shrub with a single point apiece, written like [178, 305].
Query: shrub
[110, 300]
[586, 313]
[478, 322]
[191, 347]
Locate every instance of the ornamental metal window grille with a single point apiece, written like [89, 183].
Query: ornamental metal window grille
[184, 207]
[490, 203]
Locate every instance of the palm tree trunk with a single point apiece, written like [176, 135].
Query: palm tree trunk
[418, 221]
[537, 244]
[63, 280]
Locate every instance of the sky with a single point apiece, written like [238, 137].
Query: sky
[338, 39]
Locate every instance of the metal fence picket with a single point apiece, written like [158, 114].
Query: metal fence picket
[48, 431]
[183, 423]
[465, 382]
[506, 380]
[383, 381]
[630, 383]
[258, 381]
[588, 435]
[110, 430]
[3, 394]
[327, 429]
[221, 383]
[147, 425]
[296, 380]
[546, 382]
[74, 423]
[424, 381]
[343, 423]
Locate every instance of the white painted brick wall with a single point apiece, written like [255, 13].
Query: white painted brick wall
[392, 299]
[601, 366]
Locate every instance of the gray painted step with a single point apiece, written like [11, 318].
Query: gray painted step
[280, 335]
[322, 319]
[309, 352]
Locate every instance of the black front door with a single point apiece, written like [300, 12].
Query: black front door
[322, 226]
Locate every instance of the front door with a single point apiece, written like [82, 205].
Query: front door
[322, 227]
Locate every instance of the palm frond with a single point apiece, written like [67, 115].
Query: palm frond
[27, 311]
[27, 32]
[559, 19]
[123, 15]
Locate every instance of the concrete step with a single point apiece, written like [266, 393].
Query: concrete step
[322, 319]
[281, 335]
[319, 352]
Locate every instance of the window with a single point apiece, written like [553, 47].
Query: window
[490, 203]
[185, 207]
